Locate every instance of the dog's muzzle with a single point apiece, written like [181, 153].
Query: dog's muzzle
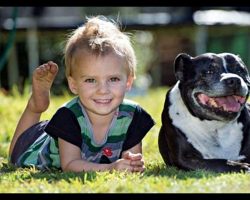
[231, 103]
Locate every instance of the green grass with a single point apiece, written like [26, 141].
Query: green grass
[157, 178]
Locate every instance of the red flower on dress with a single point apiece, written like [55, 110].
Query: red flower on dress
[107, 151]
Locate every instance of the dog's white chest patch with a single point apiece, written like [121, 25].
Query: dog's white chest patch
[214, 139]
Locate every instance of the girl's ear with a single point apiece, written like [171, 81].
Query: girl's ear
[72, 85]
[129, 82]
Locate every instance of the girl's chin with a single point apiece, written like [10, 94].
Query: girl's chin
[103, 110]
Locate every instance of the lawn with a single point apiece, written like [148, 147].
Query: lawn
[157, 178]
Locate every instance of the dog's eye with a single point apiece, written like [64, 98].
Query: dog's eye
[206, 73]
[209, 72]
[211, 69]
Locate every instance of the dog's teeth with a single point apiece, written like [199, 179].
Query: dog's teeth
[224, 106]
[212, 102]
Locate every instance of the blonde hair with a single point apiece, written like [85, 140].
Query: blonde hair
[99, 36]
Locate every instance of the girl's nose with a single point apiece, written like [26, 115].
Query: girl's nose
[103, 87]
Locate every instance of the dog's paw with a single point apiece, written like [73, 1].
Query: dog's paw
[243, 165]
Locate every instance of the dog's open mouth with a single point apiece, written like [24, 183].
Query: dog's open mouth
[231, 103]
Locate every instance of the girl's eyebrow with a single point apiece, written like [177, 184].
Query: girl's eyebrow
[93, 76]
[87, 76]
[114, 75]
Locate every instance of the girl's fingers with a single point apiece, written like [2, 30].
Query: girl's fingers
[132, 156]
[137, 156]
[138, 169]
[131, 166]
[137, 163]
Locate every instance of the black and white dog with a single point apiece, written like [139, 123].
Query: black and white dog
[205, 120]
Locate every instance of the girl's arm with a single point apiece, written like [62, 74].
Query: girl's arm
[70, 157]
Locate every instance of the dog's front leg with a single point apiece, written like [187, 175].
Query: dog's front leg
[182, 154]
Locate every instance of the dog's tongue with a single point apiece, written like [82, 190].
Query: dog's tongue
[228, 103]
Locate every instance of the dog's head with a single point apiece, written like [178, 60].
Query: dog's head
[213, 86]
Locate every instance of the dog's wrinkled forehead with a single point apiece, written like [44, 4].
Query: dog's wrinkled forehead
[227, 61]
[231, 61]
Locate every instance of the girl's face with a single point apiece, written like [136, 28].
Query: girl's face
[101, 83]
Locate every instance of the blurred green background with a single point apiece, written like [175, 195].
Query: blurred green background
[30, 36]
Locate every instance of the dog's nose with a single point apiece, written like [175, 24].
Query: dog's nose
[233, 82]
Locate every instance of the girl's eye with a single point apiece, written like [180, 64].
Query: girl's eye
[114, 79]
[90, 80]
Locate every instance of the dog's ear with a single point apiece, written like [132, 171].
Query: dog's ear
[180, 62]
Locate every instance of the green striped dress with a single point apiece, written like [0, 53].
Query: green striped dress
[43, 153]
